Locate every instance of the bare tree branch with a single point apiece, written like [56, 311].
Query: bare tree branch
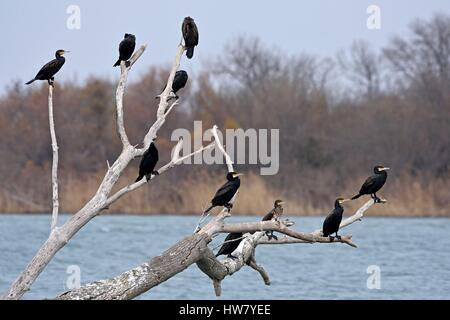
[59, 237]
[252, 263]
[55, 198]
[175, 161]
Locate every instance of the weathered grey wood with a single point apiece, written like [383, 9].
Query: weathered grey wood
[55, 198]
[254, 265]
[134, 282]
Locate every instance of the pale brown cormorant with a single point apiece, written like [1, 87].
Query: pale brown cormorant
[148, 163]
[224, 195]
[374, 183]
[274, 214]
[190, 35]
[333, 220]
[126, 49]
[231, 243]
[48, 71]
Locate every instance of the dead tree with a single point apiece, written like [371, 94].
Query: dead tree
[192, 249]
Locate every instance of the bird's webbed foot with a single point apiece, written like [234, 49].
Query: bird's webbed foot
[229, 206]
[271, 236]
[331, 238]
[376, 199]
[149, 176]
[338, 237]
[51, 81]
[127, 63]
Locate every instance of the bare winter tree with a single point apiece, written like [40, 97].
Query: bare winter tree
[192, 249]
[423, 59]
[362, 67]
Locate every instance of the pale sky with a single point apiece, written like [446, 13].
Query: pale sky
[34, 30]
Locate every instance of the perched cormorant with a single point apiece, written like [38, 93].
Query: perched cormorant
[228, 247]
[374, 183]
[148, 162]
[50, 69]
[126, 49]
[275, 214]
[224, 195]
[190, 35]
[333, 220]
[179, 81]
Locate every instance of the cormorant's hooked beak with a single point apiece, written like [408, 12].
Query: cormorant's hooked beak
[385, 169]
[238, 175]
[64, 52]
[344, 200]
[282, 202]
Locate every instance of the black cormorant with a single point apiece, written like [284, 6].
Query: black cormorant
[333, 220]
[179, 81]
[50, 69]
[148, 162]
[126, 49]
[275, 214]
[374, 183]
[190, 35]
[229, 245]
[224, 195]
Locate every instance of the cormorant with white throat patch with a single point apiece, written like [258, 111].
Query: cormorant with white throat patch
[48, 71]
[224, 195]
[374, 183]
[333, 220]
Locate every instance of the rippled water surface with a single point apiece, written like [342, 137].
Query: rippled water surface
[412, 253]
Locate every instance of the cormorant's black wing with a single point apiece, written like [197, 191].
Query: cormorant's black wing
[225, 190]
[50, 69]
[229, 247]
[268, 216]
[332, 223]
[126, 48]
[194, 33]
[149, 161]
[368, 184]
[180, 80]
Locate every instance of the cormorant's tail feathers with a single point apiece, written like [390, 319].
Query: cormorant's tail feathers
[139, 178]
[357, 196]
[117, 63]
[31, 81]
[209, 209]
[190, 52]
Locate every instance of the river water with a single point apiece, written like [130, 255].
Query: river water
[396, 258]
